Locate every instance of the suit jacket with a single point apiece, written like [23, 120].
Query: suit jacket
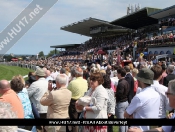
[168, 78]
[58, 103]
[130, 81]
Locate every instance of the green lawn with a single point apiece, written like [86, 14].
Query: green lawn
[7, 72]
[115, 128]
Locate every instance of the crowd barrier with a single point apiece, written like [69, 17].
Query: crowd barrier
[28, 66]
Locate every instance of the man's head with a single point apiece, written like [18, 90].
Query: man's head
[157, 69]
[61, 80]
[63, 71]
[47, 72]
[170, 69]
[171, 93]
[127, 68]
[4, 86]
[121, 72]
[78, 72]
[145, 77]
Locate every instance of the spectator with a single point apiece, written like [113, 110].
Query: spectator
[121, 97]
[170, 75]
[130, 81]
[57, 102]
[164, 103]
[48, 76]
[164, 74]
[63, 71]
[78, 87]
[99, 109]
[9, 96]
[17, 84]
[114, 80]
[111, 100]
[142, 104]
[171, 96]
[134, 74]
[6, 112]
[36, 91]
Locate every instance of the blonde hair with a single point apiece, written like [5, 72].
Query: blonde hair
[136, 71]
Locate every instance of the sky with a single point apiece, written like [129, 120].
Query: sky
[46, 32]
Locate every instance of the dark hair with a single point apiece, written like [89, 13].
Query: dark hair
[17, 83]
[30, 73]
[32, 79]
[97, 77]
[121, 71]
[107, 81]
[127, 68]
[108, 72]
[63, 70]
[157, 69]
[163, 67]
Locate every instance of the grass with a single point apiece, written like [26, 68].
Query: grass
[7, 72]
[115, 128]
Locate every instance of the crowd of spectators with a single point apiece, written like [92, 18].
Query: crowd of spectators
[107, 90]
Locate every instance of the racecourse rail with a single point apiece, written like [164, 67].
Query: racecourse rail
[19, 64]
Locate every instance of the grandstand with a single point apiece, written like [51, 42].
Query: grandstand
[148, 30]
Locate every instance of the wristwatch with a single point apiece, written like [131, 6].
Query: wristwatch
[84, 109]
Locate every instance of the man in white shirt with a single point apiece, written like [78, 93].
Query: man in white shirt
[171, 96]
[48, 76]
[114, 79]
[164, 103]
[146, 103]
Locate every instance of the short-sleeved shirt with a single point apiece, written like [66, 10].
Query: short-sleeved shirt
[145, 105]
[168, 128]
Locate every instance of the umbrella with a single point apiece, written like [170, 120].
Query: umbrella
[14, 59]
[101, 52]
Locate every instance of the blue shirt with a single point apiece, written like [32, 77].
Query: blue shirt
[23, 95]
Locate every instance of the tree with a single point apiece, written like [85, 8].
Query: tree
[52, 52]
[41, 54]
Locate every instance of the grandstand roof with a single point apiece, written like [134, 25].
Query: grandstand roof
[137, 19]
[65, 46]
[164, 12]
[83, 27]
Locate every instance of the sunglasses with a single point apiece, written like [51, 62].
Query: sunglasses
[167, 93]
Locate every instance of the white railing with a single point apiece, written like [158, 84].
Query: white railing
[29, 66]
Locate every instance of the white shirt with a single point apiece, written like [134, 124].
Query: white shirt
[168, 128]
[138, 90]
[114, 80]
[49, 78]
[145, 105]
[164, 102]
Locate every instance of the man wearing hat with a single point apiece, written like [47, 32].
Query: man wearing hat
[36, 90]
[146, 103]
